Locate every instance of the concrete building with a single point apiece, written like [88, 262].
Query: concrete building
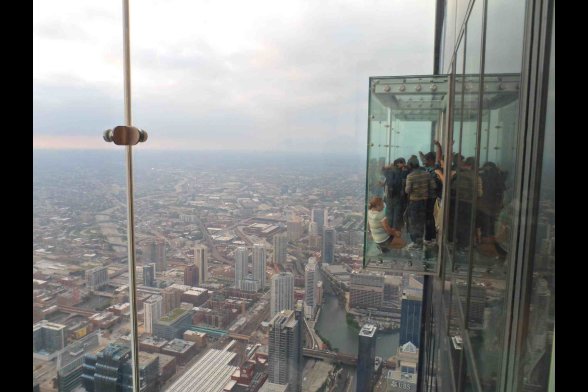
[241, 266]
[280, 242]
[329, 240]
[172, 297]
[366, 356]
[96, 278]
[294, 229]
[153, 311]
[250, 284]
[404, 376]
[174, 324]
[282, 292]
[201, 261]
[149, 274]
[70, 361]
[259, 262]
[181, 349]
[284, 345]
[366, 290]
[320, 217]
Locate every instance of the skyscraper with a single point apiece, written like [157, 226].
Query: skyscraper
[201, 261]
[241, 268]
[366, 356]
[280, 248]
[282, 292]
[48, 337]
[329, 239]
[259, 264]
[152, 311]
[285, 346]
[310, 281]
[191, 275]
[149, 274]
[154, 252]
[320, 217]
[410, 318]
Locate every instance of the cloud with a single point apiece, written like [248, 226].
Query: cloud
[259, 75]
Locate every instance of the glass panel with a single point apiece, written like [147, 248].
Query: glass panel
[540, 337]
[495, 211]
[404, 113]
[80, 273]
[449, 33]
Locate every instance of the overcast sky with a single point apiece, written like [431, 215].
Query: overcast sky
[241, 75]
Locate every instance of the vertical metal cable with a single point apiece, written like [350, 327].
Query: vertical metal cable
[130, 207]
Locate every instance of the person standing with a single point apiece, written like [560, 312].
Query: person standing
[419, 187]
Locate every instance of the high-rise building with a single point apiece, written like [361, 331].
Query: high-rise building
[172, 297]
[149, 274]
[48, 337]
[410, 317]
[152, 308]
[319, 215]
[110, 370]
[154, 252]
[70, 361]
[259, 264]
[173, 324]
[329, 240]
[282, 292]
[241, 267]
[96, 278]
[366, 290]
[311, 275]
[294, 228]
[201, 261]
[366, 356]
[191, 275]
[280, 248]
[250, 283]
[285, 346]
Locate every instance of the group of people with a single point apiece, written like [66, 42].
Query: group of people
[412, 195]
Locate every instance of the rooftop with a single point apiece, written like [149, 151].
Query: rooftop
[368, 330]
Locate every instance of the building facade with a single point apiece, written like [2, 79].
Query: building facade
[201, 261]
[149, 274]
[280, 242]
[366, 357]
[96, 278]
[282, 292]
[259, 262]
[329, 240]
[310, 281]
[152, 308]
[154, 252]
[285, 349]
[241, 266]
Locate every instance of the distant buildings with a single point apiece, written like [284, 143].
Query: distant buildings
[69, 362]
[149, 274]
[366, 356]
[404, 377]
[154, 252]
[294, 229]
[259, 261]
[280, 248]
[284, 346]
[320, 217]
[250, 284]
[201, 261]
[48, 337]
[329, 239]
[96, 278]
[282, 292]
[410, 321]
[241, 266]
[152, 308]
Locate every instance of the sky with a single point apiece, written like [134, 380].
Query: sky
[222, 75]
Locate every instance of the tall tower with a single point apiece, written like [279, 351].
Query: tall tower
[201, 261]
[410, 317]
[241, 260]
[282, 292]
[259, 264]
[329, 239]
[280, 248]
[320, 216]
[191, 275]
[154, 252]
[366, 356]
[310, 281]
[294, 226]
[153, 311]
[149, 274]
[285, 347]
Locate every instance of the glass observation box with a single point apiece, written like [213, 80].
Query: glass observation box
[419, 126]
[405, 114]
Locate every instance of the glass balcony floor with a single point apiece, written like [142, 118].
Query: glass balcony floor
[421, 261]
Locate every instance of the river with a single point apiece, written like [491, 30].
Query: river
[332, 325]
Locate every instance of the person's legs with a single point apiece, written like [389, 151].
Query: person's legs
[430, 231]
[416, 220]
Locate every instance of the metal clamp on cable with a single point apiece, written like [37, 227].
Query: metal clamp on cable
[125, 136]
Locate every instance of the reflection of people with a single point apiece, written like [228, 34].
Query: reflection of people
[464, 189]
[381, 231]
